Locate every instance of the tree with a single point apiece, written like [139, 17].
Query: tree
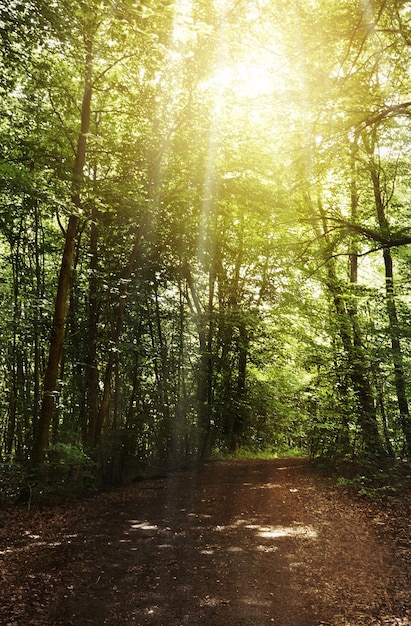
[268, 144]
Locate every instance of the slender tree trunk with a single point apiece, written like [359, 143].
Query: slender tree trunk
[381, 405]
[239, 422]
[357, 368]
[207, 365]
[131, 428]
[92, 375]
[13, 393]
[165, 432]
[363, 386]
[205, 375]
[352, 344]
[37, 351]
[399, 376]
[182, 402]
[165, 374]
[41, 440]
[395, 335]
[16, 383]
[56, 346]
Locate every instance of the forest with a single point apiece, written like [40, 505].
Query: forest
[204, 233]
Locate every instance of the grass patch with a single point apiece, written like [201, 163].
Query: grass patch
[252, 453]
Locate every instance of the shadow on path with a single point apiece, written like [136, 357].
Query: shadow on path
[237, 543]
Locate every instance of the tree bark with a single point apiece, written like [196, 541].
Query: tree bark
[37, 350]
[41, 440]
[56, 345]
[394, 331]
[92, 376]
[205, 375]
[351, 341]
[399, 376]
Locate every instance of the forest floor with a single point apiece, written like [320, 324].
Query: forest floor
[237, 543]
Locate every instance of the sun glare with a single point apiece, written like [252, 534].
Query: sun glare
[246, 68]
[183, 22]
[247, 80]
[251, 72]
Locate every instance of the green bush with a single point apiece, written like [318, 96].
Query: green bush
[13, 477]
[69, 466]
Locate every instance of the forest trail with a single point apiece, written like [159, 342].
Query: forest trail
[236, 543]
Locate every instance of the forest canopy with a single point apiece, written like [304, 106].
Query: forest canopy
[204, 231]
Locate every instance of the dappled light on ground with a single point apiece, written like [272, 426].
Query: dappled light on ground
[39, 541]
[296, 530]
[274, 532]
[266, 486]
[136, 525]
[258, 549]
[207, 549]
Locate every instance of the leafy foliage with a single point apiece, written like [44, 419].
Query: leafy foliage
[241, 268]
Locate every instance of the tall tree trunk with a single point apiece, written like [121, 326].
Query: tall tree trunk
[394, 331]
[351, 341]
[207, 371]
[132, 425]
[379, 385]
[165, 374]
[399, 376]
[39, 292]
[239, 421]
[13, 393]
[16, 383]
[183, 443]
[41, 440]
[205, 375]
[165, 438]
[92, 375]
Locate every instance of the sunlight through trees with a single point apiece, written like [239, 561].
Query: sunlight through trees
[204, 232]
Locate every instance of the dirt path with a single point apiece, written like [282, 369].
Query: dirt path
[239, 543]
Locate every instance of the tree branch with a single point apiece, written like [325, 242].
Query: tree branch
[392, 111]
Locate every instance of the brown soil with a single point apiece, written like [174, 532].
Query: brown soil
[236, 543]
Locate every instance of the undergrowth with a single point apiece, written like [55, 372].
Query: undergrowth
[67, 473]
[387, 480]
[253, 453]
